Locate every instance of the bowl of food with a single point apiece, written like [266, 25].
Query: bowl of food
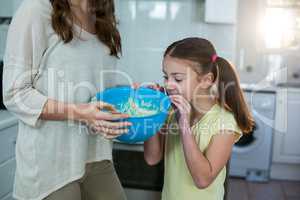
[148, 110]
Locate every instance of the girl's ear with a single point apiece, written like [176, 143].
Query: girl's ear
[206, 81]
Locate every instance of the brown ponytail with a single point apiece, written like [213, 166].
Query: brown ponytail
[106, 24]
[230, 95]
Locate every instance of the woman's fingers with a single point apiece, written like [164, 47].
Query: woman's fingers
[111, 130]
[136, 85]
[102, 105]
[110, 116]
[154, 86]
[112, 125]
[110, 133]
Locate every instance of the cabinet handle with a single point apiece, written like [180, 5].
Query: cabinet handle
[296, 75]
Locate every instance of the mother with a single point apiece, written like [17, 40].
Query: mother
[57, 52]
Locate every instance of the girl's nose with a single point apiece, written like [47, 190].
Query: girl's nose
[171, 88]
[170, 85]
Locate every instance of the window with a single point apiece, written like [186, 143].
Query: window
[281, 24]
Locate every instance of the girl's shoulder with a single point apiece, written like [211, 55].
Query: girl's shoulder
[218, 119]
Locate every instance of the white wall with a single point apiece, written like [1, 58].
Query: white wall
[149, 26]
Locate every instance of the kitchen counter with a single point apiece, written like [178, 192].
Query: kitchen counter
[259, 87]
[128, 147]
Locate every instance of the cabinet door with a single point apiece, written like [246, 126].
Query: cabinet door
[249, 54]
[8, 137]
[6, 8]
[3, 35]
[9, 7]
[287, 126]
[7, 173]
[8, 197]
[221, 11]
[16, 5]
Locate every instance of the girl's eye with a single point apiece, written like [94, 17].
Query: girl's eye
[178, 80]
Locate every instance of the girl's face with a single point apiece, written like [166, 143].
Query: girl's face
[180, 78]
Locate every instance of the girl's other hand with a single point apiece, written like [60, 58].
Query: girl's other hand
[100, 117]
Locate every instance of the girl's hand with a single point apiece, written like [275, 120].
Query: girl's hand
[183, 110]
[94, 116]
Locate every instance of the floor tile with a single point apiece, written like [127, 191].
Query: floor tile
[291, 188]
[265, 191]
[237, 189]
[292, 198]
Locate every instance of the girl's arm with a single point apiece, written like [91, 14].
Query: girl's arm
[154, 149]
[205, 166]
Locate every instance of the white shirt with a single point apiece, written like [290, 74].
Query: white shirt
[37, 66]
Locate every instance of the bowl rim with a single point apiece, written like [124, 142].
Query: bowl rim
[132, 89]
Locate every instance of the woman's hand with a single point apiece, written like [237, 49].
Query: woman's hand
[100, 121]
[154, 86]
[183, 110]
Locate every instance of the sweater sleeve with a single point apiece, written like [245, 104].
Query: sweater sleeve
[26, 43]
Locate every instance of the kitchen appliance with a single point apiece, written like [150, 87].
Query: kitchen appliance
[251, 155]
[141, 181]
[288, 73]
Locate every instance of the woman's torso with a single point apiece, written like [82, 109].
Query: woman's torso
[55, 152]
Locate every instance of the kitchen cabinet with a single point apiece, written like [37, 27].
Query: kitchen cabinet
[249, 42]
[287, 127]
[221, 11]
[6, 8]
[9, 7]
[3, 35]
[8, 135]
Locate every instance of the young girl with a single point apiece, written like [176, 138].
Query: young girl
[210, 115]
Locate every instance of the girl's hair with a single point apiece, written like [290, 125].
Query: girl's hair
[230, 95]
[106, 25]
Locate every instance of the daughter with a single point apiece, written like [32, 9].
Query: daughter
[210, 115]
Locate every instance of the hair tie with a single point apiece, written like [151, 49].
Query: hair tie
[214, 58]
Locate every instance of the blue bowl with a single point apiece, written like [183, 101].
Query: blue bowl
[143, 127]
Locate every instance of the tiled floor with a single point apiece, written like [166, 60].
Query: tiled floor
[239, 189]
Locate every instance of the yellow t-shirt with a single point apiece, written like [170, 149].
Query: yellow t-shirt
[178, 182]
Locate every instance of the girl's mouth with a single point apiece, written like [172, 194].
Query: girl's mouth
[172, 92]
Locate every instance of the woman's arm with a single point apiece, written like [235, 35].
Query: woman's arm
[154, 149]
[205, 166]
[56, 110]
[89, 113]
